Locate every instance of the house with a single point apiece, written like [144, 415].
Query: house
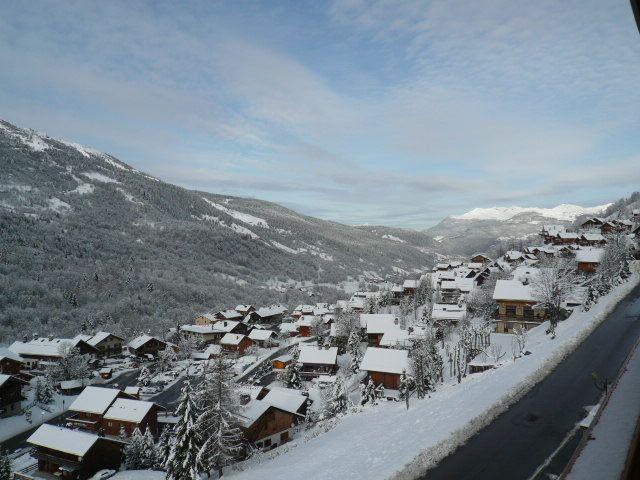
[235, 342]
[516, 306]
[146, 345]
[591, 239]
[73, 387]
[409, 287]
[592, 223]
[133, 391]
[263, 338]
[125, 415]
[212, 351]
[305, 325]
[397, 292]
[480, 258]
[73, 454]
[378, 324]
[10, 362]
[287, 399]
[315, 361]
[452, 290]
[481, 363]
[273, 314]
[11, 395]
[266, 426]
[50, 349]
[445, 313]
[229, 315]
[395, 338]
[107, 343]
[566, 238]
[385, 366]
[289, 329]
[106, 373]
[281, 362]
[588, 259]
[206, 319]
[608, 228]
[90, 406]
[245, 310]
[203, 334]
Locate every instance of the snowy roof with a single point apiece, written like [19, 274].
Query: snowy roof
[307, 320]
[71, 384]
[261, 335]
[81, 337]
[288, 327]
[94, 400]
[225, 325]
[382, 323]
[132, 390]
[6, 353]
[141, 340]
[256, 409]
[229, 314]
[589, 255]
[317, 355]
[366, 317]
[512, 290]
[285, 399]
[283, 358]
[208, 316]
[513, 255]
[411, 284]
[271, 311]
[568, 235]
[128, 410]
[394, 337]
[202, 329]
[99, 337]
[243, 308]
[387, 360]
[593, 237]
[74, 442]
[232, 339]
[443, 311]
[42, 349]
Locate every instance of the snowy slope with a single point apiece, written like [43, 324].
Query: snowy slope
[389, 441]
[563, 212]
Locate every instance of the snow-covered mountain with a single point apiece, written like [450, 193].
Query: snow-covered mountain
[86, 236]
[564, 212]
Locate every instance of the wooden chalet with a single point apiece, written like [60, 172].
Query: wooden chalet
[409, 287]
[516, 306]
[384, 366]
[89, 408]
[10, 363]
[236, 343]
[107, 344]
[266, 426]
[229, 315]
[266, 315]
[11, 395]
[282, 362]
[206, 319]
[146, 345]
[263, 338]
[480, 258]
[377, 324]
[245, 310]
[588, 259]
[72, 454]
[318, 361]
[125, 415]
[592, 223]
[50, 349]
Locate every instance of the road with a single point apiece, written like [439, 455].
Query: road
[523, 438]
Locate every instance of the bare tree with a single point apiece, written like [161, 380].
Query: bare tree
[519, 339]
[495, 352]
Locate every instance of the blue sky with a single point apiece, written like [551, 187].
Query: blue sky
[395, 113]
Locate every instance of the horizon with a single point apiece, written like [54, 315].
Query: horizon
[372, 116]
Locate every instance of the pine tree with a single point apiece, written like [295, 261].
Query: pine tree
[163, 448]
[368, 393]
[44, 390]
[148, 453]
[144, 377]
[5, 466]
[353, 347]
[405, 387]
[134, 451]
[181, 464]
[290, 378]
[338, 399]
[218, 422]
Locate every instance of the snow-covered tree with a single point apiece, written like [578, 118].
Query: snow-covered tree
[186, 346]
[218, 422]
[353, 348]
[520, 339]
[368, 393]
[5, 466]
[425, 364]
[290, 377]
[182, 462]
[44, 391]
[144, 377]
[337, 398]
[166, 360]
[71, 365]
[405, 387]
[163, 448]
[135, 452]
[552, 286]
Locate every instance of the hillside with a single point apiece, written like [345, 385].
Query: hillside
[85, 237]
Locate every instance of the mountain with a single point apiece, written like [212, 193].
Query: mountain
[484, 229]
[88, 239]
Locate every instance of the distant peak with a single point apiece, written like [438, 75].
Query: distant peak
[564, 212]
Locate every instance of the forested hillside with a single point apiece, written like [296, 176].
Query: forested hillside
[85, 238]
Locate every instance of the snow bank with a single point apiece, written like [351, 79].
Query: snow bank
[99, 177]
[389, 441]
[561, 212]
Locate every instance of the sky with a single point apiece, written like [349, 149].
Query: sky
[380, 113]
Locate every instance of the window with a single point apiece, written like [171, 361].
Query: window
[511, 310]
[110, 424]
[267, 442]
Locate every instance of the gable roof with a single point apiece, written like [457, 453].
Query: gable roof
[94, 400]
[261, 335]
[128, 410]
[74, 442]
[316, 355]
[141, 340]
[10, 355]
[232, 339]
[285, 399]
[589, 255]
[101, 336]
[512, 290]
[382, 323]
[387, 360]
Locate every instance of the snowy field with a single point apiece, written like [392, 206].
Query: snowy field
[388, 441]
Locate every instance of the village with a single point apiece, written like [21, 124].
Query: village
[233, 385]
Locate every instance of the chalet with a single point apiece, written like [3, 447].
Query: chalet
[281, 362]
[357, 304]
[550, 232]
[289, 329]
[396, 338]
[245, 310]
[608, 228]
[273, 314]
[592, 223]
[378, 324]
[588, 259]
[90, 406]
[229, 315]
[73, 454]
[566, 238]
[480, 258]
[635, 215]
[397, 292]
[203, 334]
[287, 399]
[125, 415]
[206, 319]
[516, 306]
[385, 366]
[146, 345]
[481, 363]
[452, 290]
[212, 351]
[11, 395]
[409, 287]
[592, 239]
[266, 426]
[73, 387]
[10, 363]
[316, 361]
[301, 310]
[107, 343]
[106, 373]
[443, 313]
[235, 342]
[305, 325]
[50, 349]
[133, 391]
[263, 338]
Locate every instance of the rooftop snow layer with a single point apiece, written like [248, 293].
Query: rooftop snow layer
[387, 360]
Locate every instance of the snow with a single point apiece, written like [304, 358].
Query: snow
[561, 212]
[128, 410]
[382, 323]
[98, 337]
[58, 205]
[589, 255]
[232, 339]
[451, 312]
[387, 360]
[612, 434]
[416, 439]
[254, 411]
[36, 348]
[83, 189]
[132, 390]
[74, 442]
[261, 335]
[285, 248]
[139, 475]
[318, 355]
[243, 217]
[94, 400]
[99, 177]
[141, 340]
[285, 399]
[512, 290]
[393, 238]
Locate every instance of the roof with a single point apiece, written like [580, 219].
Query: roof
[288, 327]
[229, 314]
[443, 311]
[141, 340]
[94, 400]
[74, 442]
[271, 311]
[317, 355]
[100, 336]
[128, 410]
[39, 347]
[387, 360]
[366, 317]
[285, 399]
[394, 338]
[6, 353]
[208, 316]
[589, 255]
[232, 339]
[225, 325]
[382, 323]
[4, 378]
[411, 284]
[199, 329]
[512, 290]
[261, 335]
[283, 358]
[132, 390]
[256, 409]
[593, 237]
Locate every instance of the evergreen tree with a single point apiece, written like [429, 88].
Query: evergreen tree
[405, 387]
[5, 466]
[181, 464]
[145, 376]
[338, 398]
[218, 422]
[353, 347]
[44, 391]
[163, 448]
[368, 393]
[290, 377]
[134, 451]
[149, 454]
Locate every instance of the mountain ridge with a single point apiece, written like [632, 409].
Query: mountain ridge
[565, 212]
